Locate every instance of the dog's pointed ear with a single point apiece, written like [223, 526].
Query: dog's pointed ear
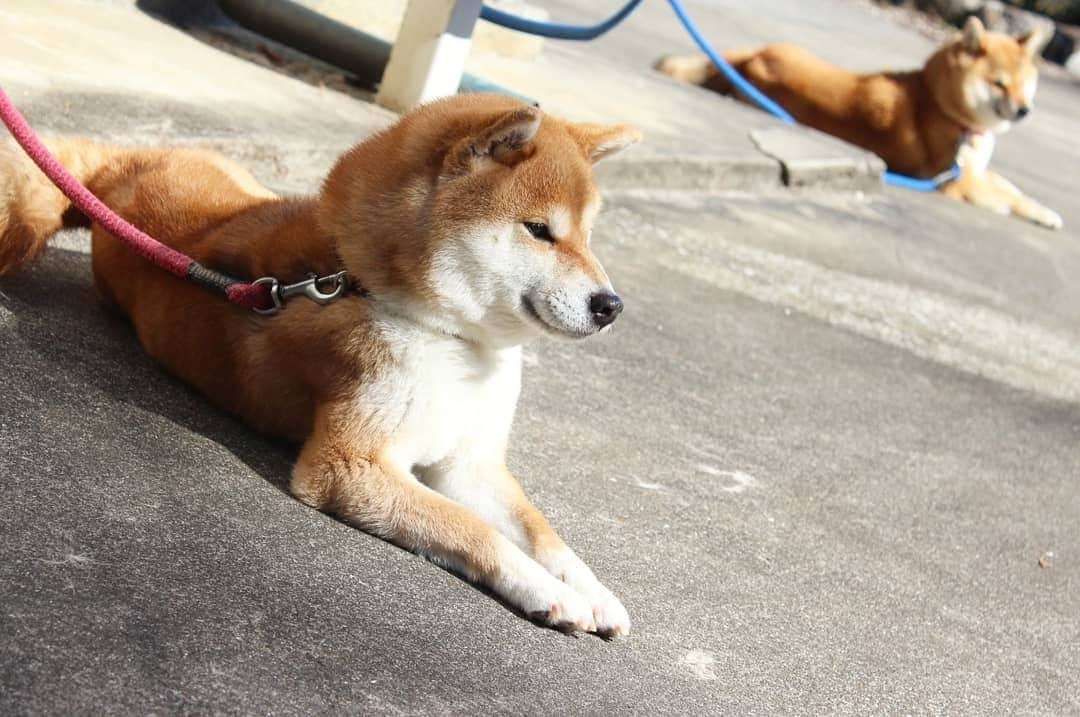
[972, 35]
[1031, 41]
[506, 141]
[599, 140]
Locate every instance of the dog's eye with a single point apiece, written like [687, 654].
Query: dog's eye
[540, 231]
[1001, 85]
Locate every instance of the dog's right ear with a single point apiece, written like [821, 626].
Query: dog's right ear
[972, 35]
[1032, 41]
[506, 141]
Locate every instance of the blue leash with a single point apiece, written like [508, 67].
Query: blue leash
[558, 31]
[734, 77]
[555, 30]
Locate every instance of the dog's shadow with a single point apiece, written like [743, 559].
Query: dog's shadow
[59, 316]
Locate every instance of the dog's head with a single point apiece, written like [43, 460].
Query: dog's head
[989, 78]
[487, 233]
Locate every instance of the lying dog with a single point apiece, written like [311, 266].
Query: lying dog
[467, 226]
[919, 122]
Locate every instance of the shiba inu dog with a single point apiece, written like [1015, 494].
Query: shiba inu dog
[467, 225]
[919, 122]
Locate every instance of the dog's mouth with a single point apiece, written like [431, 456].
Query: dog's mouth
[530, 310]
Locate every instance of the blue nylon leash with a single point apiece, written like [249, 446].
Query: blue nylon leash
[554, 30]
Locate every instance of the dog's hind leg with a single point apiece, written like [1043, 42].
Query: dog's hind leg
[694, 69]
[699, 69]
[32, 208]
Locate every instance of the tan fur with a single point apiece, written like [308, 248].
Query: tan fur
[914, 120]
[383, 213]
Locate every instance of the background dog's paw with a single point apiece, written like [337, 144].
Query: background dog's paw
[1048, 218]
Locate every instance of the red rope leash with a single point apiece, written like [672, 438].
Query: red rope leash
[250, 296]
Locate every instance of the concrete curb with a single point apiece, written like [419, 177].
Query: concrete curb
[809, 158]
[694, 174]
[787, 156]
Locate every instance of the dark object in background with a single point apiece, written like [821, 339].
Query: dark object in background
[1055, 20]
[1064, 44]
[1063, 10]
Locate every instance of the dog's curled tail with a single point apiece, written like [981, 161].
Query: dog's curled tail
[32, 209]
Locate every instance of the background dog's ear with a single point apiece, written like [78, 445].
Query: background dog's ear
[972, 35]
[506, 141]
[598, 140]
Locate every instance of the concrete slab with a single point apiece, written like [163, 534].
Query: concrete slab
[644, 169]
[814, 159]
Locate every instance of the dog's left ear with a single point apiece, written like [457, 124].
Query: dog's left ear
[1031, 41]
[598, 140]
[506, 141]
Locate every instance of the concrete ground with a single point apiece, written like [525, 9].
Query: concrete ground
[829, 458]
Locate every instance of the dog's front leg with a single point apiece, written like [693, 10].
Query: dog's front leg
[492, 492]
[974, 188]
[1022, 205]
[335, 475]
[982, 187]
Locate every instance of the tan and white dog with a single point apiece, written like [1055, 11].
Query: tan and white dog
[920, 122]
[467, 224]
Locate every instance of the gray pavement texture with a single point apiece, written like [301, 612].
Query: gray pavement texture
[820, 459]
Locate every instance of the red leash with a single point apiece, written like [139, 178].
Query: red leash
[258, 296]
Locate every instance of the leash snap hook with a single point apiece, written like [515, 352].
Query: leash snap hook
[309, 287]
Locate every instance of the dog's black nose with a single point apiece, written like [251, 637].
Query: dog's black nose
[604, 306]
[1021, 112]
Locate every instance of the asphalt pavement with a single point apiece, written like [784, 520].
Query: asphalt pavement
[828, 458]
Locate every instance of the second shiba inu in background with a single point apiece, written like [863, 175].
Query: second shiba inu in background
[920, 122]
[467, 225]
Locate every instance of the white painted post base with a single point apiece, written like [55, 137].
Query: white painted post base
[428, 58]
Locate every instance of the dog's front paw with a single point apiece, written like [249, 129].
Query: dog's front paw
[528, 586]
[563, 608]
[1047, 218]
[1029, 209]
[609, 615]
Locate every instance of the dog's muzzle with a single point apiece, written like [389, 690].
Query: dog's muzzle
[1010, 112]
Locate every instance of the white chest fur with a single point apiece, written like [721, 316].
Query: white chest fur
[451, 397]
[975, 151]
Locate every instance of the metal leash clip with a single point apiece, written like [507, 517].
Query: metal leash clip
[309, 287]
